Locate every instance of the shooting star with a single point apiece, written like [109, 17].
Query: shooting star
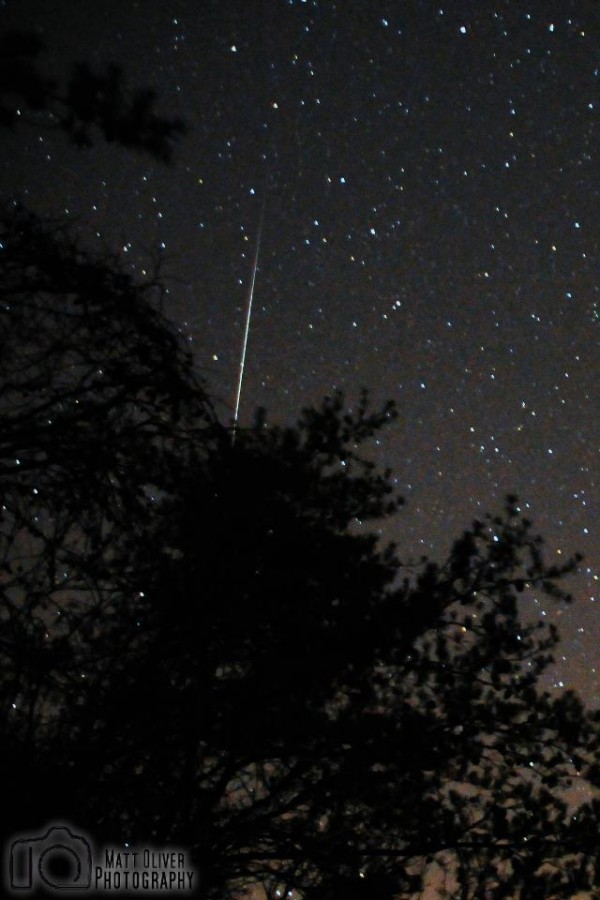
[248, 319]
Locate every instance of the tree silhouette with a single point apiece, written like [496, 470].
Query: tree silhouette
[89, 103]
[264, 684]
[94, 393]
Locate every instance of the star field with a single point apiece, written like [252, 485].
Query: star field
[431, 187]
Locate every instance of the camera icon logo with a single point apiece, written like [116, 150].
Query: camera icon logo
[58, 859]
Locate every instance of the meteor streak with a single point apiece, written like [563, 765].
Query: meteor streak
[248, 318]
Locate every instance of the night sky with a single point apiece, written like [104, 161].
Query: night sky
[430, 181]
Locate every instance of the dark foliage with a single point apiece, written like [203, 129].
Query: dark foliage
[98, 404]
[89, 103]
[202, 644]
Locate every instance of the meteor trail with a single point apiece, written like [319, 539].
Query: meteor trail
[248, 317]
